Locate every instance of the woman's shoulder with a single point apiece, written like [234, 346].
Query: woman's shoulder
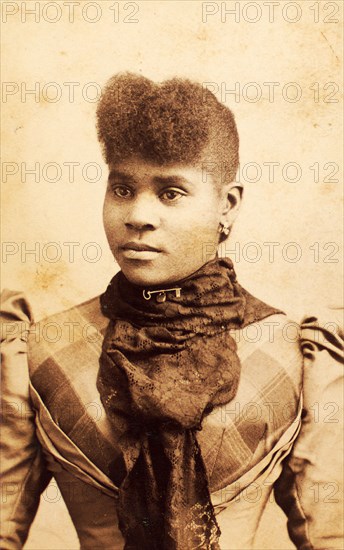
[67, 333]
[16, 306]
[271, 343]
[275, 326]
[63, 333]
[269, 328]
[88, 310]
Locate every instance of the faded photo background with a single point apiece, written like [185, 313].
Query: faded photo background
[277, 65]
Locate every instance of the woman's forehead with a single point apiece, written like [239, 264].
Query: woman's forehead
[136, 168]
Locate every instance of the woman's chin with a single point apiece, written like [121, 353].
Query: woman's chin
[150, 273]
[145, 275]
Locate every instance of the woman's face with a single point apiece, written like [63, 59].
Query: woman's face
[161, 222]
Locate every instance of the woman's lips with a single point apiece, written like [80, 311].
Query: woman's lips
[139, 251]
[140, 247]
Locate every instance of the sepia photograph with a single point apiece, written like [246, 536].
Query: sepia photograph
[172, 321]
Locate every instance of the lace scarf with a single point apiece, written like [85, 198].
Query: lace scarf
[163, 367]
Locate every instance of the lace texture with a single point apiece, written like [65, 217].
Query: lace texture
[163, 367]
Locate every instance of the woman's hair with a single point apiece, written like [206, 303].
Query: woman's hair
[176, 121]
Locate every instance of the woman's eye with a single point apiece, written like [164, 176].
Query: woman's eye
[171, 195]
[122, 191]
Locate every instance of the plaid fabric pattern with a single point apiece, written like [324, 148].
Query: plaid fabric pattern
[243, 443]
[64, 351]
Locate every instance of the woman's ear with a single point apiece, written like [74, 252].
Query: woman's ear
[232, 201]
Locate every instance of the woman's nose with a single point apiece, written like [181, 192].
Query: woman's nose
[143, 213]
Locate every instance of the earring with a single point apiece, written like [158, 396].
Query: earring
[224, 228]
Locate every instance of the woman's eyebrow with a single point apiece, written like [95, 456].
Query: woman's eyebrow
[158, 180]
[115, 174]
[171, 180]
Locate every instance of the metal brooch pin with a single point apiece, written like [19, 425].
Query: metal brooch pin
[161, 294]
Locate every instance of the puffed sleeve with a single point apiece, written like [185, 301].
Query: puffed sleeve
[23, 472]
[310, 488]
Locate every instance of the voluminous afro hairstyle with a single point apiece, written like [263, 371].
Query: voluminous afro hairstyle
[173, 122]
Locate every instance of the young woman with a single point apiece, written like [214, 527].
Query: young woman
[162, 419]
